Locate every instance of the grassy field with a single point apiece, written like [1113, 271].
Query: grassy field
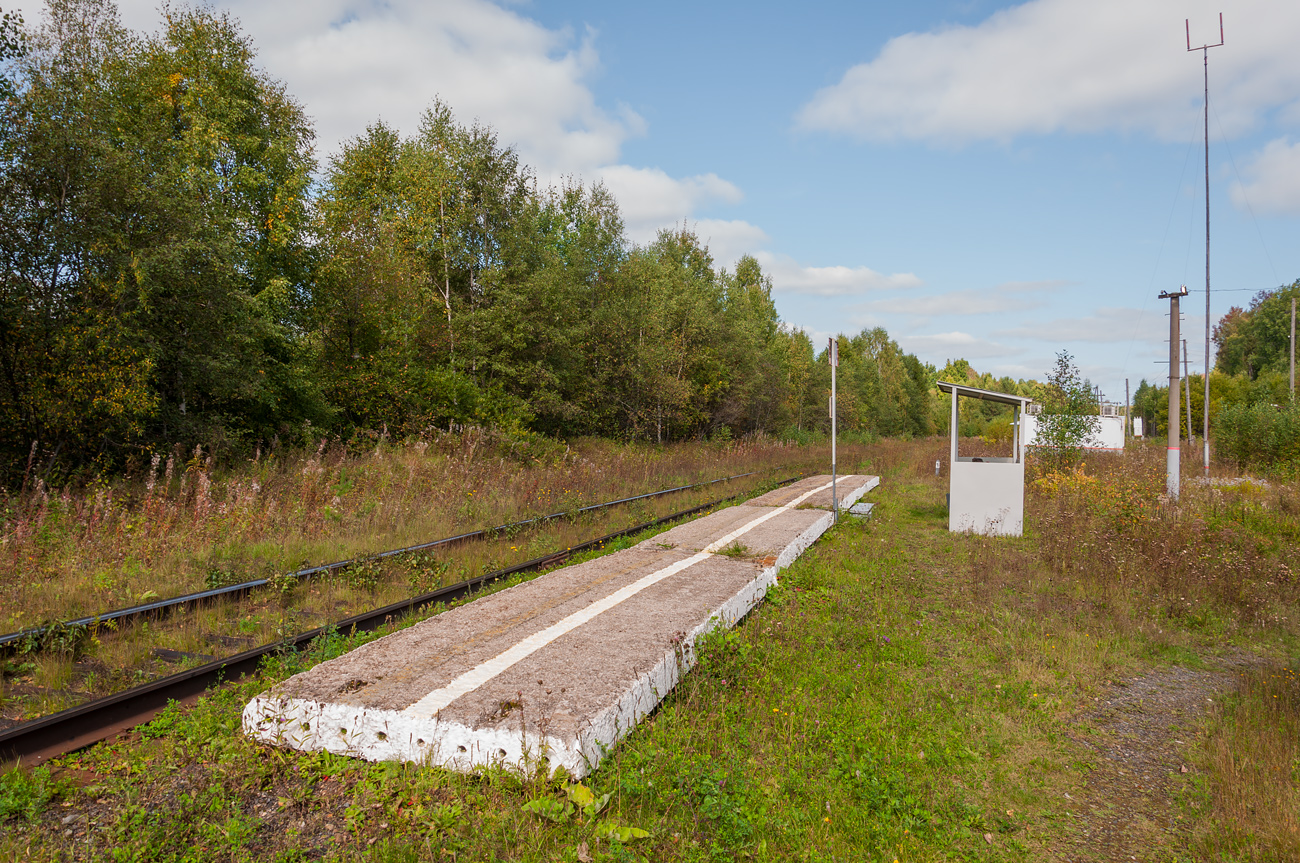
[1119, 684]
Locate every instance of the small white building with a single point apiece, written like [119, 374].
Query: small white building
[1109, 436]
[986, 494]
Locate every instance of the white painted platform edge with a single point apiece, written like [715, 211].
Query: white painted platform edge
[390, 735]
[855, 496]
[616, 721]
[394, 735]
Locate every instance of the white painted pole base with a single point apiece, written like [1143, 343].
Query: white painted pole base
[1171, 468]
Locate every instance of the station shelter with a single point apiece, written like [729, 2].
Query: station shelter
[986, 494]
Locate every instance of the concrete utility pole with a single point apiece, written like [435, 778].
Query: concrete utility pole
[1205, 55]
[833, 354]
[1171, 452]
[1187, 386]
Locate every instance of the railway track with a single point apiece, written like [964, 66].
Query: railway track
[35, 637]
[39, 740]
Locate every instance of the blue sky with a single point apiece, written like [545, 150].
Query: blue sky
[991, 181]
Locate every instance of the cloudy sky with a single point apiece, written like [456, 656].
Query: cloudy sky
[990, 181]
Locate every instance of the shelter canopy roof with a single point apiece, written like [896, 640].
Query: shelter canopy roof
[986, 395]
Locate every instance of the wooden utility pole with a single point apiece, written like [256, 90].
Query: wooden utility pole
[1171, 451]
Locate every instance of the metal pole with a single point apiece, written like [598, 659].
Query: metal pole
[1172, 450]
[1205, 62]
[1205, 442]
[1205, 408]
[834, 356]
[1293, 349]
[1015, 435]
[952, 435]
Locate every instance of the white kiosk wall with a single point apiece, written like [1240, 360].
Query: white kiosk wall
[986, 495]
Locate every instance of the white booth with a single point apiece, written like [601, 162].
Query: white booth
[986, 494]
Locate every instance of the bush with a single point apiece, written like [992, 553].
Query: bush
[1260, 435]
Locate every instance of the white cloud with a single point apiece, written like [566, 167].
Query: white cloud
[1113, 326]
[1274, 186]
[952, 345]
[1069, 65]
[833, 281]
[650, 199]
[1005, 299]
[730, 239]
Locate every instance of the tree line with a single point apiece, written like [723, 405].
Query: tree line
[176, 268]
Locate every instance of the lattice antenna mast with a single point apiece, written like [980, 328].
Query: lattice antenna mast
[1205, 406]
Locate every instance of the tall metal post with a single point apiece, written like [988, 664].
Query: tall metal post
[1205, 55]
[1171, 456]
[833, 354]
[1293, 349]
[952, 434]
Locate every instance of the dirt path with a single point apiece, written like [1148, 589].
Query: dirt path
[1138, 736]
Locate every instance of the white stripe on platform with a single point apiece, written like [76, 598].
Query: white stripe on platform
[481, 674]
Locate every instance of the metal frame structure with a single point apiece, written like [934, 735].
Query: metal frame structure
[985, 494]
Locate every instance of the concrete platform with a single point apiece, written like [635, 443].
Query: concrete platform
[849, 489]
[559, 667]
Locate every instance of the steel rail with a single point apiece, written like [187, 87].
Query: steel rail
[39, 740]
[162, 607]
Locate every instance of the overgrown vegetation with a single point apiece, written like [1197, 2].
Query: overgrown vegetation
[906, 694]
[1260, 434]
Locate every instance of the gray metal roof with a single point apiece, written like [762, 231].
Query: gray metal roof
[986, 395]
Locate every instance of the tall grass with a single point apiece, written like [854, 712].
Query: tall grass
[1221, 555]
[1252, 754]
[186, 524]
